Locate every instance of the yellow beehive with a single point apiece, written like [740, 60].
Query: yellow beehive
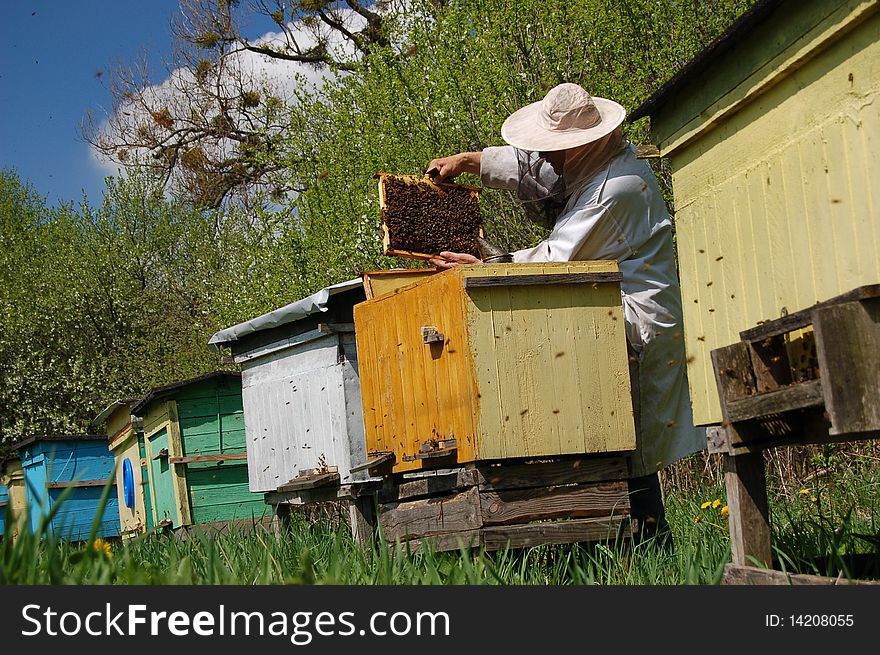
[487, 362]
[772, 137]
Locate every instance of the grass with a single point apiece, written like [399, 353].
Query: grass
[819, 526]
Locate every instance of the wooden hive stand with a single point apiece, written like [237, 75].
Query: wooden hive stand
[507, 504]
[772, 396]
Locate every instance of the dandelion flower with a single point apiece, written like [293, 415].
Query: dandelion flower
[716, 504]
[724, 511]
[706, 505]
[813, 499]
[698, 518]
[103, 547]
[804, 492]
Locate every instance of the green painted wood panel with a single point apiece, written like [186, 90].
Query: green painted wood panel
[163, 482]
[220, 493]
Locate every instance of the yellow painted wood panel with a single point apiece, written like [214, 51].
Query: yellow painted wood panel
[425, 392]
[175, 449]
[556, 362]
[787, 186]
[378, 283]
[130, 518]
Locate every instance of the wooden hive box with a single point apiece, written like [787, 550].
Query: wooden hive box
[126, 442]
[79, 465]
[195, 452]
[421, 219]
[489, 362]
[301, 391]
[771, 135]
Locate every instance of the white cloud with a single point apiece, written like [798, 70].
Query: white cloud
[250, 70]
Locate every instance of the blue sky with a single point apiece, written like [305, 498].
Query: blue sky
[51, 53]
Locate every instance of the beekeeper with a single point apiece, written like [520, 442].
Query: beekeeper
[574, 172]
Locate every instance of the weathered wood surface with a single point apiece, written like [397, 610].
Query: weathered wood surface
[770, 364]
[530, 280]
[522, 506]
[430, 516]
[733, 372]
[441, 482]
[751, 575]
[560, 472]
[804, 317]
[525, 536]
[310, 482]
[178, 471]
[749, 514]
[229, 457]
[333, 328]
[362, 517]
[848, 348]
[374, 463]
[560, 532]
[323, 494]
[797, 396]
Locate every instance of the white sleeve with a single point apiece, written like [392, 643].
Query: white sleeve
[520, 171]
[588, 231]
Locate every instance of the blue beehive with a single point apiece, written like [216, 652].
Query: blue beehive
[79, 465]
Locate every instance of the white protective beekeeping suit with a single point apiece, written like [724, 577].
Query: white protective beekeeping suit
[609, 206]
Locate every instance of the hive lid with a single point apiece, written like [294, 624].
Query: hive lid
[313, 304]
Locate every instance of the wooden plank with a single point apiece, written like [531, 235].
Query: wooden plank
[804, 317]
[770, 364]
[228, 457]
[419, 518]
[797, 396]
[540, 473]
[429, 485]
[522, 506]
[751, 575]
[445, 542]
[362, 515]
[76, 483]
[560, 532]
[310, 482]
[733, 372]
[848, 347]
[530, 280]
[377, 460]
[749, 514]
[335, 328]
[178, 471]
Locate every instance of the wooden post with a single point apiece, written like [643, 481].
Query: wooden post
[362, 511]
[175, 450]
[280, 519]
[749, 511]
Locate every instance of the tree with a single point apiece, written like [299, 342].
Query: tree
[212, 129]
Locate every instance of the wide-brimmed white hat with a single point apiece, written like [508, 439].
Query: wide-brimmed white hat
[567, 117]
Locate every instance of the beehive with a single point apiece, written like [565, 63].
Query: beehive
[126, 442]
[300, 389]
[76, 467]
[420, 219]
[771, 135]
[195, 452]
[489, 362]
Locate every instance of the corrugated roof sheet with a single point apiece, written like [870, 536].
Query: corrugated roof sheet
[295, 311]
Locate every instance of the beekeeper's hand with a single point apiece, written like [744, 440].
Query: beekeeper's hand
[453, 259]
[448, 167]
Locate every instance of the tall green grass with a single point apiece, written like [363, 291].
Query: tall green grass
[814, 532]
